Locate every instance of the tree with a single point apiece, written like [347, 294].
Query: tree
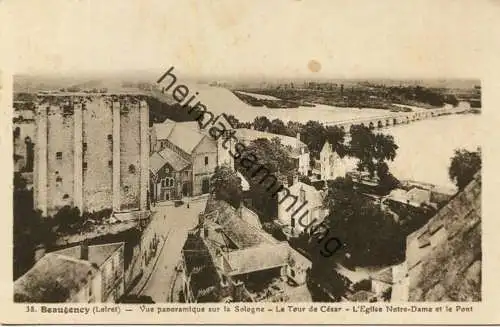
[261, 123]
[372, 150]
[277, 127]
[226, 185]
[369, 234]
[272, 162]
[314, 136]
[464, 165]
[336, 137]
[293, 127]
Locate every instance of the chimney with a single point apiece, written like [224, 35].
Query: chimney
[84, 251]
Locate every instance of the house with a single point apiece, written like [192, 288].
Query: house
[80, 274]
[238, 260]
[332, 165]
[170, 176]
[186, 143]
[415, 197]
[296, 149]
[444, 257]
[109, 259]
[305, 207]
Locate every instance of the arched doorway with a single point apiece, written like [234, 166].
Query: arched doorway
[205, 185]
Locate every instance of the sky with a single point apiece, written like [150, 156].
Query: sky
[348, 38]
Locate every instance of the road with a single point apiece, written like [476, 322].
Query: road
[177, 223]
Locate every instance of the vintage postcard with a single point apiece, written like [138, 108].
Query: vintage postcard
[249, 162]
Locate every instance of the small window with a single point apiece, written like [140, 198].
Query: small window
[65, 196]
[58, 155]
[131, 169]
[110, 137]
[59, 179]
[110, 163]
[206, 161]
[84, 166]
[84, 147]
[125, 189]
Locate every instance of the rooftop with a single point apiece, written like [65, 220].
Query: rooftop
[247, 134]
[185, 135]
[444, 256]
[54, 278]
[241, 233]
[257, 258]
[200, 268]
[98, 254]
[177, 162]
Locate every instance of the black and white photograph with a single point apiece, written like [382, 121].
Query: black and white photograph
[201, 154]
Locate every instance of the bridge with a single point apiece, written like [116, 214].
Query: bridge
[394, 118]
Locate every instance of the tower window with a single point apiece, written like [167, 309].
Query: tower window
[58, 155]
[84, 166]
[110, 137]
[206, 161]
[84, 147]
[131, 169]
[110, 163]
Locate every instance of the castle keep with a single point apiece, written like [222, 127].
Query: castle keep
[91, 152]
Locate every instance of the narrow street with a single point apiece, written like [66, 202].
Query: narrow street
[176, 225]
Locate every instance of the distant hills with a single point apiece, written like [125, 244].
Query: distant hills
[127, 80]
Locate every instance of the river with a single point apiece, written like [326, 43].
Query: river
[426, 146]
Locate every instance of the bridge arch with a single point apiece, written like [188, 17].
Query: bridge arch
[380, 124]
[371, 125]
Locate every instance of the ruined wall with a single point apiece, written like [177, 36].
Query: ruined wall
[97, 154]
[89, 156]
[59, 154]
[130, 145]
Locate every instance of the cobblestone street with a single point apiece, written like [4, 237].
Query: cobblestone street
[173, 223]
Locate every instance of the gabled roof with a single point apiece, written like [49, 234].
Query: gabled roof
[185, 135]
[163, 130]
[177, 162]
[257, 258]
[156, 162]
[241, 233]
[98, 254]
[200, 269]
[54, 278]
